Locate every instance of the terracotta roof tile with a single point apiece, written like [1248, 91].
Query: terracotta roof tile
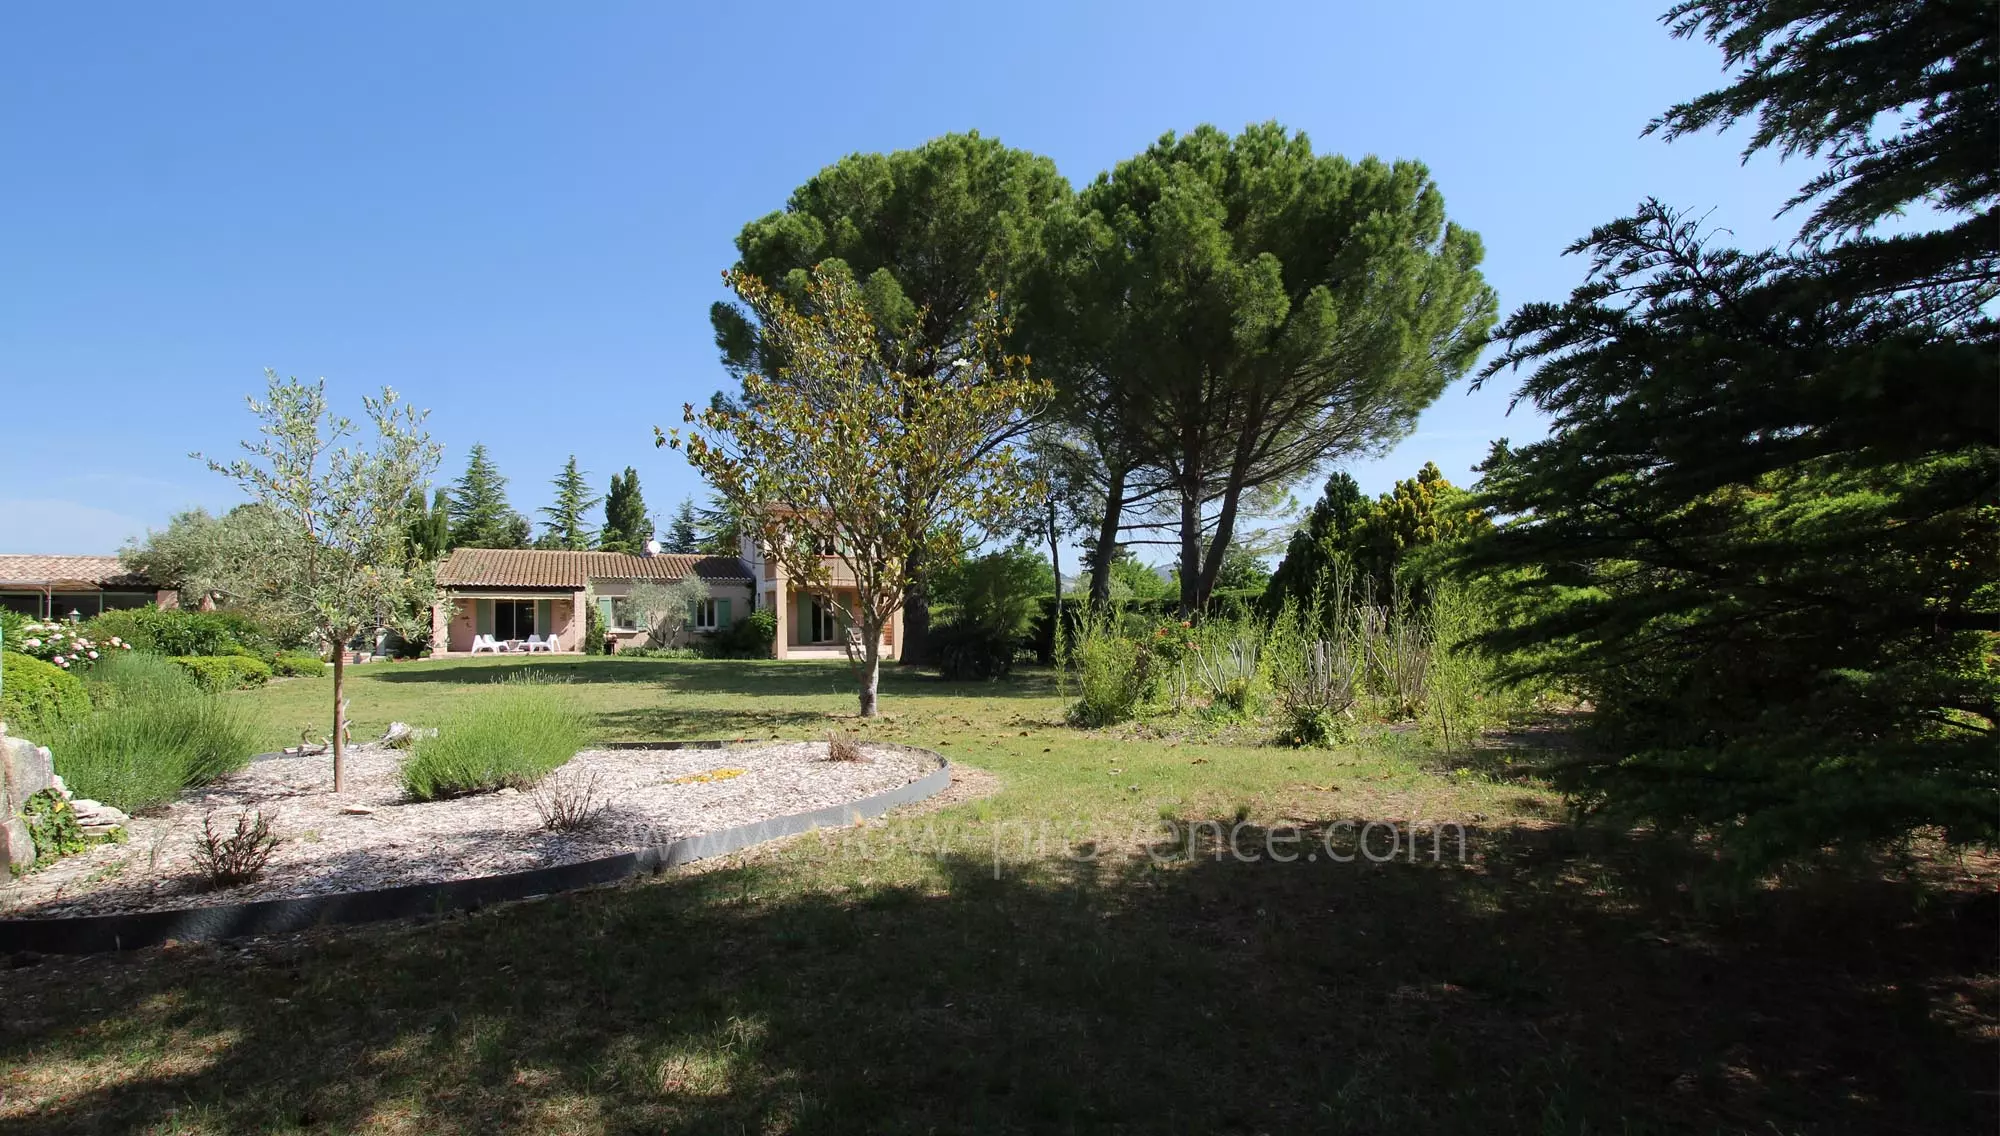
[548, 568]
[86, 571]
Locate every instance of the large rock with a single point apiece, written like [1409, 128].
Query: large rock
[25, 769]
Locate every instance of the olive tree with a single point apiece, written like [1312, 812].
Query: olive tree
[665, 608]
[335, 554]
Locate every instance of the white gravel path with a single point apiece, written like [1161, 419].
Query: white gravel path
[650, 794]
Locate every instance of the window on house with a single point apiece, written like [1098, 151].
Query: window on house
[824, 625]
[513, 619]
[704, 615]
[625, 615]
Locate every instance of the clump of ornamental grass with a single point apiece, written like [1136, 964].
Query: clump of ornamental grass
[153, 734]
[510, 735]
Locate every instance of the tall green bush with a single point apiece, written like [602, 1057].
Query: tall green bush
[1463, 692]
[986, 608]
[593, 629]
[168, 631]
[1113, 674]
[510, 735]
[749, 638]
[1316, 658]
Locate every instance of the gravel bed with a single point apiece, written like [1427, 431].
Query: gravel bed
[651, 796]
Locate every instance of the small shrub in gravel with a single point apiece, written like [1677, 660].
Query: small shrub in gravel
[568, 802]
[510, 735]
[843, 747]
[232, 859]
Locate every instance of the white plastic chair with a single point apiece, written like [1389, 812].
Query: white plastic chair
[537, 643]
[485, 643]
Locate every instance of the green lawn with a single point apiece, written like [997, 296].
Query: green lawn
[1020, 962]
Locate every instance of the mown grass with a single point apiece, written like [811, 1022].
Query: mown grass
[1028, 961]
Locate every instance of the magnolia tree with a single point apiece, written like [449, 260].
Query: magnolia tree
[842, 448]
[336, 554]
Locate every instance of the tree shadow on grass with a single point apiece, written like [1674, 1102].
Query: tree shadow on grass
[1531, 989]
[708, 723]
[748, 677]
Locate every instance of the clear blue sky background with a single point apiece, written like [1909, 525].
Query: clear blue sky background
[516, 214]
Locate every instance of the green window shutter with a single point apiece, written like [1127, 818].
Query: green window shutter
[694, 614]
[482, 616]
[604, 611]
[545, 618]
[722, 614]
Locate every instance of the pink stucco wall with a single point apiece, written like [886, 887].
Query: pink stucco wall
[462, 625]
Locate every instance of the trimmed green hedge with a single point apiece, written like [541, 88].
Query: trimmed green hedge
[298, 664]
[217, 673]
[39, 696]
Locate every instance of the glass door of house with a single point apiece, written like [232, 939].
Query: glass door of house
[513, 619]
[824, 626]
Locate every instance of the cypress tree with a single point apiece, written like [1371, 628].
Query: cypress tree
[566, 527]
[683, 532]
[480, 514]
[430, 526]
[627, 528]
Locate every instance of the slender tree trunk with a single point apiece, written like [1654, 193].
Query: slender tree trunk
[1055, 566]
[1225, 522]
[1107, 539]
[871, 668]
[1225, 527]
[339, 712]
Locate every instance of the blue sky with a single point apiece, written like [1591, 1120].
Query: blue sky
[516, 214]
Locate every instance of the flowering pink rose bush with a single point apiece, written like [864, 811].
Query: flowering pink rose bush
[61, 644]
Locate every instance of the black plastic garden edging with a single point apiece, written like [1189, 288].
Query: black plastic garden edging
[84, 934]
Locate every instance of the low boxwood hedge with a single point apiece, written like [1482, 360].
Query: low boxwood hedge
[298, 664]
[39, 696]
[217, 673]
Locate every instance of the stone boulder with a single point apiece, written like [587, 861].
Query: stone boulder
[25, 769]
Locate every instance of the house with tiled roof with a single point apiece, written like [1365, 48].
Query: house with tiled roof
[57, 587]
[510, 594]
